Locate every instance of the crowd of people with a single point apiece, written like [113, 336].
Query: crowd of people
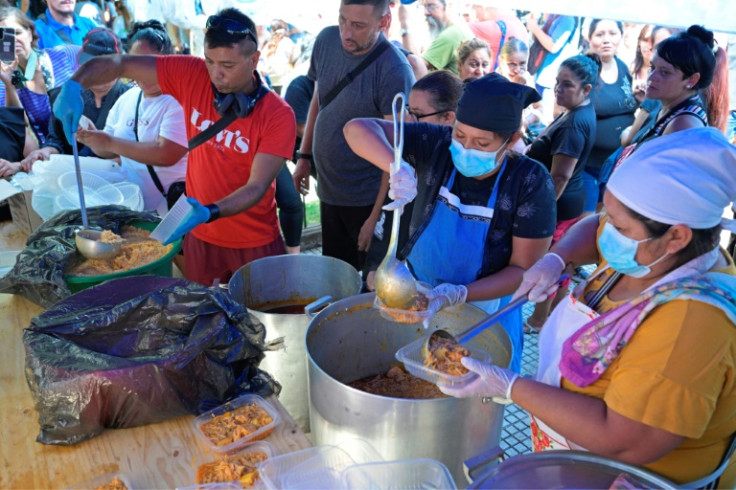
[533, 145]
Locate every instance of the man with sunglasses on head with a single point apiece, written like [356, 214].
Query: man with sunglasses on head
[230, 177]
[348, 186]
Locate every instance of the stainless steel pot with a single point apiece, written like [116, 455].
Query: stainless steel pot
[349, 340]
[560, 469]
[287, 280]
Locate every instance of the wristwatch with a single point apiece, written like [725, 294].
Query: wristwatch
[404, 32]
[306, 156]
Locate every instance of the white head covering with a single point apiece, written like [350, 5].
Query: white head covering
[687, 177]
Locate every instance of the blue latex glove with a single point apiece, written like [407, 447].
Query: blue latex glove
[68, 107]
[199, 214]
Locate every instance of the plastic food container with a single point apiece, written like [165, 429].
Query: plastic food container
[410, 474]
[161, 267]
[411, 356]
[262, 446]
[316, 467]
[230, 406]
[103, 480]
[176, 216]
[405, 316]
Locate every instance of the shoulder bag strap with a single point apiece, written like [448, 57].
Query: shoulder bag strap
[59, 32]
[383, 46]
[208, 133]
[151, 170]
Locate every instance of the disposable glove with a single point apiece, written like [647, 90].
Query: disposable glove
[68, 107]
[402, 186]
[540, 280]
[198, 215]
[446, 295]
[493, 382]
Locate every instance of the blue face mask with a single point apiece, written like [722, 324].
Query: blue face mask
[620, 252]
[471, 162]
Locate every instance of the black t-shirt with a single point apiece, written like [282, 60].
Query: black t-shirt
[571, 134]
[299, 95]
[12, 133]
[614, 105]
[524, 207]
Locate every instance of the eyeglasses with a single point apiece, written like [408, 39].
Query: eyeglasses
[421, 116]
[232, 27]
[431, 7]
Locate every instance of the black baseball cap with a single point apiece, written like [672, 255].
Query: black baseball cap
[97, 42]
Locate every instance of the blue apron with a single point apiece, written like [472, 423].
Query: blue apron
[450, 249]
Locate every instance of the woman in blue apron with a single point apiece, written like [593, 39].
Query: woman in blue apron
[482, 214]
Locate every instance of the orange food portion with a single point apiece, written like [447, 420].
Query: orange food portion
[444, 355]
[238, 467]
[115, 484]
[137, 252]
[409, 315]
[236, 424]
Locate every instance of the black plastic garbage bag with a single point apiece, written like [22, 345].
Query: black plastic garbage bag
[38, 274]
[138, 350]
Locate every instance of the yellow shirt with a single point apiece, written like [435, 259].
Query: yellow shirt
[677, 373]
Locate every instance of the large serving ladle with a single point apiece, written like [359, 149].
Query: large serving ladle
[394, 283]
[471, 332]
[88, 240]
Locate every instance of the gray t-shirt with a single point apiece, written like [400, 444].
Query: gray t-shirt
[345, 179]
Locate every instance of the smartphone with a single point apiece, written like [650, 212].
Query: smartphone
[7, 44]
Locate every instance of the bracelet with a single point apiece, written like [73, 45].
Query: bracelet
[306, 156]
[214, 212]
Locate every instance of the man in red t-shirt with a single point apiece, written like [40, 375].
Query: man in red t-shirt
[230, 177]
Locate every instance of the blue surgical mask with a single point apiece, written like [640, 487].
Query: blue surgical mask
[471, 162]
[620, 252]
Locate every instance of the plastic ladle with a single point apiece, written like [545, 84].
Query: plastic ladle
[395, 285]
[88, 240]
[471, 332]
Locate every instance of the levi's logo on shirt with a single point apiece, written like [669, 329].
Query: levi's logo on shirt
[231, 140]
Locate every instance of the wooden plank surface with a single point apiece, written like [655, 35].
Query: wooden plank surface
[163, 455]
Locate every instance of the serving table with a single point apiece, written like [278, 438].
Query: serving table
[162, 455]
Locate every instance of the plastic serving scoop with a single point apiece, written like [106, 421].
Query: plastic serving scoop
[88, 240]
[395, 285]
[471, 332]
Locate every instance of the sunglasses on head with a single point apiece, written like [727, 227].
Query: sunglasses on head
[232, 27]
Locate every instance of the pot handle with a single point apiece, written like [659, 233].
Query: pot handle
[472, 465]
[318, 304]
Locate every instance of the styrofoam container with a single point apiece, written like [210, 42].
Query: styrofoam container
[179, 212]
[104, 479]
[411, 356]
[409, 474]
[230, 406]
[262, 446]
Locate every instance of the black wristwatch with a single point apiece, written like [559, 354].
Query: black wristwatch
[306, 156]
[214, 212]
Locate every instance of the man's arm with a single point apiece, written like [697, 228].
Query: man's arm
[303, 165]
[103, 69]
[263, 172]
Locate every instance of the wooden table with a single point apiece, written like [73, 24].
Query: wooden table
[163, 455]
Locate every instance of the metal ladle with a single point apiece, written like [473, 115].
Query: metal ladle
[395, 285]
[88, 240]
[471, 332]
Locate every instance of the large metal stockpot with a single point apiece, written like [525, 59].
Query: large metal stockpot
[349, 340]
[288, 280]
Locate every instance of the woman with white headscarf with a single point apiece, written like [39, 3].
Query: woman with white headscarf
[639, 364]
